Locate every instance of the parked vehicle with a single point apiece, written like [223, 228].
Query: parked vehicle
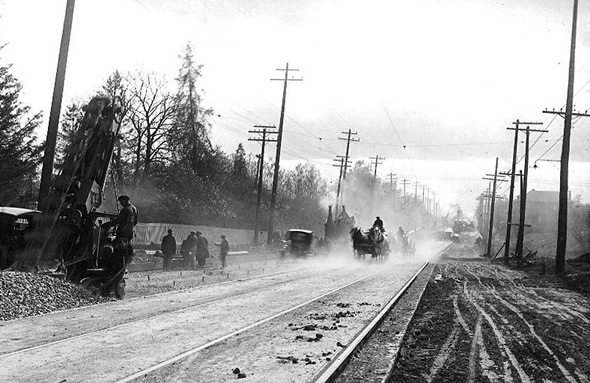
[16, 225]
[298, 242]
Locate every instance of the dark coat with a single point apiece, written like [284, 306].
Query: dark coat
[191, 243]
[125, 222]
[224, 247]
[202, 247]
[169, 245]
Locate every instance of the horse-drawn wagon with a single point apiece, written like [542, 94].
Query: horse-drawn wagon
[373, 242]
[378, 244]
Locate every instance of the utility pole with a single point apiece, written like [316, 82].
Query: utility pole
[348, 140]
[486, 211]
[427, 202]
[481, 217]
[523, 195]
[392, 186]
[275, 181]
[423, 218]
[258, 159]
[392, 178]
[58, 89]
[521, 220]
[512, 174]
[565, 153]
[493, 196]
[405, 182]
[260, 172]
[341, 160]
[377, 159]
[434, 208]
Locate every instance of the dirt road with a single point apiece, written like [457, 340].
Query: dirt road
[482, 322]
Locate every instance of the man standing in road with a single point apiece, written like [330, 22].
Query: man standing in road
[202, 250]
[168, 249]
[224, 249]
[123, 251]
[188, 250]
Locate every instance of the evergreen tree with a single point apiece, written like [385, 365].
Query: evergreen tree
[20, 155]
[190, 136]
[240, 170]
[115, 86]
[68, 132]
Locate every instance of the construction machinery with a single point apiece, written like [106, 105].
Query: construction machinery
[67, 239]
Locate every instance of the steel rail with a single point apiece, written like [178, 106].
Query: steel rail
[331, 373]
[339, 364]
[234, 333]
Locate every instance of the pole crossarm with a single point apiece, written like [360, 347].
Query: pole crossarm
[518, 122]
[562, 113]
[530, 130]
[518, 224]
[510, 174]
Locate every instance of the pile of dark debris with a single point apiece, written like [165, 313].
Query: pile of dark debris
[26, 294]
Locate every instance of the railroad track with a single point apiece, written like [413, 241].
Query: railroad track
[261, 325]
[342, 371]
[357, 361]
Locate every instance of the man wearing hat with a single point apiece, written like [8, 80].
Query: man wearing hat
[168, 249]
[378, 223]
[202, 250]
[188, 250]
[125, 222]
[224, 249]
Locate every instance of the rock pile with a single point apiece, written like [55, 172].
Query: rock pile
[24, 294]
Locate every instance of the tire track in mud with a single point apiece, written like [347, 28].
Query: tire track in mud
[511, 326]
[487, 368]
[533, 333]
[524, 336]
[445, 352]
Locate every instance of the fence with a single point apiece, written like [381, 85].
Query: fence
[152, 233]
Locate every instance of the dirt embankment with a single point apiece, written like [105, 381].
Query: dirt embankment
[480, 321]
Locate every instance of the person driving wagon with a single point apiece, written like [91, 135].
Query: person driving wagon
[379, 223]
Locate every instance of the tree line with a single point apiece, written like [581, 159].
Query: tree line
[164, 158]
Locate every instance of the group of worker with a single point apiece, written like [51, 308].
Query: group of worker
[195, 246]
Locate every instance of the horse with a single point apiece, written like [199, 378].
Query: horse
[404, 245]
[372, 242]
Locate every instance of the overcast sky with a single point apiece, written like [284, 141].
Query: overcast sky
[429, 85]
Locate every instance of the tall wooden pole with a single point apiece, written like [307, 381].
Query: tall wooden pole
[275, 182]
[523, 195]
[341, 165]
[260, 172]
[511, 195]
[491, 228]
[58, 89]
[565, 154]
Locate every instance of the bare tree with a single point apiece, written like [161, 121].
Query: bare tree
[151, 110]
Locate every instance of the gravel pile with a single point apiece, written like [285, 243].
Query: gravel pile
[25, 294]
